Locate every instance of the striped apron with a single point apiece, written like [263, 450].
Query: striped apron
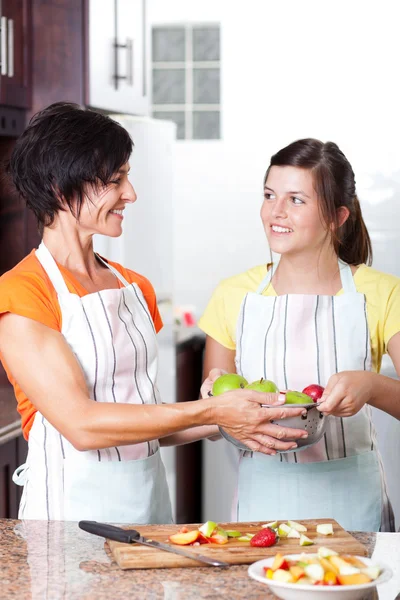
[296, 340]
[112, 336]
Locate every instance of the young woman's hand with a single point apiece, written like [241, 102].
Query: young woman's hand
[347, 392]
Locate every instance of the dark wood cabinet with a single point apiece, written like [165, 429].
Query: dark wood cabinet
[12, 454]
[15, 53]
[189, 365]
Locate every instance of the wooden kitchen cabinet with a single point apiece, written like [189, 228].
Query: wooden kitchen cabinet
[15, 52]
[12, 454]
[189, 366]
[117, 42]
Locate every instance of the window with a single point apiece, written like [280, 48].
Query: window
[186, 79]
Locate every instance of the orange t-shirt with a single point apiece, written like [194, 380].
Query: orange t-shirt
[26, 290]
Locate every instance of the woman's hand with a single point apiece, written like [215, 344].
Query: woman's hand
[241, 415]
[347, 392]
[208, 383]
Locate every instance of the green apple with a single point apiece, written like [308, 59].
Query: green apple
[263, 385]
[293, 397]
[324, 552]
[227, 383]
[208, 528]
[284, 530]
[243, 538]
[372, 572]
[293, 533]
[297, 526]
[305, 541]
[325, 528]
[233, 534]
[314, 572]
[272, 525]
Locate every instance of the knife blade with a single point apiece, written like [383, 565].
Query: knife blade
[130, 536]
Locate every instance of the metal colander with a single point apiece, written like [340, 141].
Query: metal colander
[313, 422]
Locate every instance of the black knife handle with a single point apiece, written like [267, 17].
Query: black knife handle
[109, 531]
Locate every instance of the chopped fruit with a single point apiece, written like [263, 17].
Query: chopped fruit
[372, 572]
[328, 566]
[221, 531]
[280, 562]
[296, 526]
[293, 533]
[202, 539]
[217, 538]
[183, 530]
[305, 541]
[330, 578]
[269, 573]
[208, 528]
[182, 539]
[326, 552]
[282, 576]
[283, 530]
[264, 538]
[233, 534]
[243, 538]
[325, 528]
[314, 572]
[310, 569]
[273, 525]
[355, 579]
[296, 572]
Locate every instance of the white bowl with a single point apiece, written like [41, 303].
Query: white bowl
[293, 591]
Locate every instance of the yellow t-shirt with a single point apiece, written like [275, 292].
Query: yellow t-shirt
[382, 292]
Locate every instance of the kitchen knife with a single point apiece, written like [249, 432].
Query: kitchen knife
[130, 536]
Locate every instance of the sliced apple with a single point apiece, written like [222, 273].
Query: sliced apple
[296, 572]
[314, 572]
[273, 524]
[233, 534]
[280, 562]
[324, 552]
[344, 567]
[372, 572]
[202, 539]
[208, 528]
[283, 530]
[353, 560]
[355, 579]
[325, 528]
[217, 538]
[328, 566]
[282, 576]
[293, 533]
[297, 526]
[183, 539]
[305, 541]
[305, 581]
[243, 538]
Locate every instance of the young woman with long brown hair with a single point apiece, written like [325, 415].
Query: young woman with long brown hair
[319, 315]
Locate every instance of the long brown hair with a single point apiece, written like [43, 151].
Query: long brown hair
[335, 186]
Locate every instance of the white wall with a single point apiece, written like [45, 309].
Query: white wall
[290, 69]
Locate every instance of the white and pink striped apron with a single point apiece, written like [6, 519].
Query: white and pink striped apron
[112, 336]
[296, 340]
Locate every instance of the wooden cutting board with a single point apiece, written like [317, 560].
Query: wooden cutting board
[135, 556]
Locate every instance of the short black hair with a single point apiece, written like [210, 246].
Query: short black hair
[64, 148]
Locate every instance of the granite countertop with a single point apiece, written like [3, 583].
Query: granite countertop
[57, 561]
[10, 421]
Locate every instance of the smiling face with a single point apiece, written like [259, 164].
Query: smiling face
[290, 212]
[102, 210]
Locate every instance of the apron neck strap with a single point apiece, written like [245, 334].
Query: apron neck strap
[50, 266]
[113, 270]
[346, 277]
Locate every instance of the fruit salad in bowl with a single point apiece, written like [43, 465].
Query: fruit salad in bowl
[325, 575]
[314, 422]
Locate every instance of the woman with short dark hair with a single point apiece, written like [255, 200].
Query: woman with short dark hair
[78, 339]
[321, 316]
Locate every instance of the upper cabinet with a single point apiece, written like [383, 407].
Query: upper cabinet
[117, 56]
[15, 40]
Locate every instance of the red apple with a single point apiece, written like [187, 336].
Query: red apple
[314, 390]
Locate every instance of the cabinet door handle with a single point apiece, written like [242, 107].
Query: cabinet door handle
[10, 47]
[3, 46]
[128, 46]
